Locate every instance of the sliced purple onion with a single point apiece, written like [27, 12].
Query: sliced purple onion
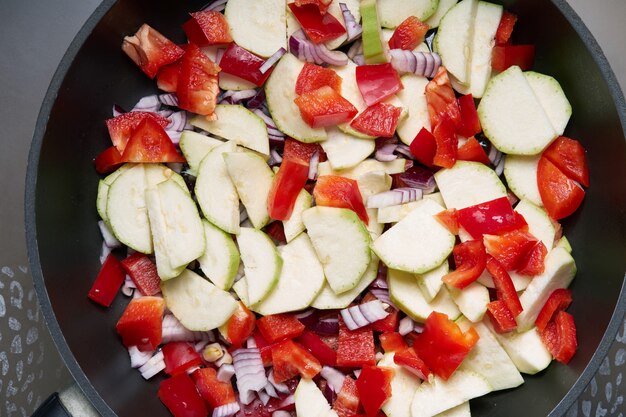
[251, 343]
[149, 103]
[264, 397]
[404, 150]
[418, 327]
[215, 5]
[355, 49]
[500, 167]
[128, 287]
[381, 277]
[359, 59]
[494, 155]
[174, 135]
[237, 97]
[104, 252]
[117, 110]
[353, 28]
[319, 54]
[406, 326]
[225, 373]
[278, 386]
[165, 112]
[361, 315]
[357, 372]
[256, 101]
[327, 326]
[424, 64]
[249, 372]
[313, 165]
[386, 153]
[169, 99]
[178, 121]
[394, 197]
[270, 390]
[329, 394]
[137, 293]
[418, 177]
[153, 366]
[174, 331]
[308, 317]
[275, 158]
[383, 295]
[108, 237]
[137, 357]
[269, 62]
[281, 413]
[333, 377]
[226, 410]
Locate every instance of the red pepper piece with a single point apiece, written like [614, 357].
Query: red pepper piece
[276, 230]
[505, 28]
[534, 264]
[380, 120]
[449, 219]
[549, 337]
[286, 186]
[409, 34]
[561, 196]
[355, 348]
[299, 151]
[180, 396]
[240, 326]
[290, 359]
[150, 50]
[197, 87]
[141, 323]
[469, 123]
[123, 126]
[424, 147]
[392, 342]
[213, 391]
[566, 334]
[317, 26]
[490, 218]
[569, 156]
[447, 144]
[314, 76]
[108, 160]
[473, 151]
[244, 64]
[264, 347]
[277, 327]
[501, 317]
[341, 192]
[318, 348]
[108, 282]
[167, 77]
[143, 272]
[559, 300]
[374, 387]
[377, 82]
[510, 248]
[505, 56]
[442, 345]
[504, 286]
[322, 5]
[409, 360]
[150, 144]
[325, 107]
[347, 402]
[441, 99]
[388, 324]
[207, 28]
[180, 356]
[470, 260]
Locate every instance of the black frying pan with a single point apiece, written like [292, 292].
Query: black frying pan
[64, 241]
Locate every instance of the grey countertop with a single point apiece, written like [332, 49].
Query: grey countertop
[33, 37]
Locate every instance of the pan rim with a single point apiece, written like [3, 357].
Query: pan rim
[31, 231]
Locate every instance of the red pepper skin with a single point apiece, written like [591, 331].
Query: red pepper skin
[561, 196]
[510, 248]
[392, 342]
[377, 82]
[108, 282]
[322, 5]
[559, 300]
[501, 317]
[244, 64]
[442, 345]
[409, 360]
[505, 56]
[122, 127]
[504, 286]
[314, 76]
[150, 50]
[534, 264]
[324, 107]
[490, 218]
[197, 87]
[409, 34]
[150, 144]
[108, 160]
[470, 260]
[447, 144]
[299, 151]
[277, 327]
[449, 219]
[213, 391]
[264, 347]
[318, 348]
[424, 147]
[207, 28]
[141, 323]
[143, 272]
[341, 192]
[388, 324]
[167, 77]
[380, 120]
[347, 402]
[569, 156]
[355, 348]
[505, 28]
[317, 26]
[559, 337]
[179, 356]
[180, 396]
[469, 123]
[441, 99]
[290, 359]
[374, 387]
[472, 151]
[276, 230]
[286, 186]
[240, 326]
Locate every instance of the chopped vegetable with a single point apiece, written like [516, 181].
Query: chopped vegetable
[313, 77]
[207, 28]
[424, 147]
[150, 143]
[341, 192]
[409, 34]
[392, 342]
[140, 324]
[492, 217]
[108, 282]
[569, 156]
[501, 317]
[470, 260]
[504, 287]
[318, 348]
[355, 348]
[143, 272]
[213, 391]
[277, 327]
[180, 396]
[506, 56]
[378, 120]
[179, 357]
[559, 300]
[374, 387]
[197, 87]
[150, 50]
[377, 82]
[510, 248]
[561, 196]
[317, 26]
[290, 359]
[409, 360]
[325, 107]
[244, 64]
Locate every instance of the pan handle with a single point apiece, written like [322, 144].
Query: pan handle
[52, 407]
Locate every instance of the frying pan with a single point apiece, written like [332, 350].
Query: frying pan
[64, 241]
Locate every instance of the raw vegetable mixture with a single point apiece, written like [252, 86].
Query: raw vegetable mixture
[340, 208]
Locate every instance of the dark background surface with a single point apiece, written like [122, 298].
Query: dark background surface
[33, 37]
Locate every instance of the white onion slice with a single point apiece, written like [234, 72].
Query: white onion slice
[137, 357]
[281, 413]
[313, 165]
[153, 366]
[226, 410]
[319, 54]
[363, 314]
[249, 372]
[104, 252]
[333, 377]
[108, 237]
[174, 331]
[394, 197]
[406, 326]
[225, 373]
[279, 386]
[269, 62]
[353, 28]
[169, 99]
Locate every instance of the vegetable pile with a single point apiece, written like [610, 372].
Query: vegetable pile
[340, 208]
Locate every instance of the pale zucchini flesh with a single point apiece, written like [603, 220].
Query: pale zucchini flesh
[261, 261]
[345, 151]
[521, 176]
[294, 225]
[413, 98]
[394, 12]
[467, 184]
[220, 260]
[195, 147]
[259, 26]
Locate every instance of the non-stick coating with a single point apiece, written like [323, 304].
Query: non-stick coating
[64, 241]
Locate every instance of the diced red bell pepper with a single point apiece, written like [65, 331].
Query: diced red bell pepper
[108, 282]
[239, 326]
[379, 120]
[318, 348]
[143, 272]
[180, 396]
[141, 323]
[469, 123]
[197, 88]
[388, 324]
[150, 50]
[569, 156]
[505, 28]
[374, 387]
[561, 196]
[377, 82]
[392, 342]
[341, 192]
[492, 217]
[559, 300]
[424, 147]
[449, 219]
[409, 34]
[322, 5]
[299, 151]
[108, 160]
[167, 77]
[355, 348]
[447, 144]
[566, 334]
[505, 56]
[470, 260]
[442, 103]
[277, 327]
[207, 28]
[286, 186]
[472, 151]
[409, 360]
[150, 144]
[276, 230]
[122, 127]
[442, 345]
[347, 402]
[264, 347]
[325, 107]
[317, 26]
[504, 286]
[549, 337]
[534, 263]
[314, 76]
[244, 64]
[501, 317]
[179, 356]
[257, 409]
[213, 391]
[510, 248]
[290, 359]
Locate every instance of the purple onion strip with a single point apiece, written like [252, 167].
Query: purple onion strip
[353, 28]
[319, 54]
[269, 62]
[363, 314]
[424, 64]
[216, 6]
[149, 103]
[333, 377]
